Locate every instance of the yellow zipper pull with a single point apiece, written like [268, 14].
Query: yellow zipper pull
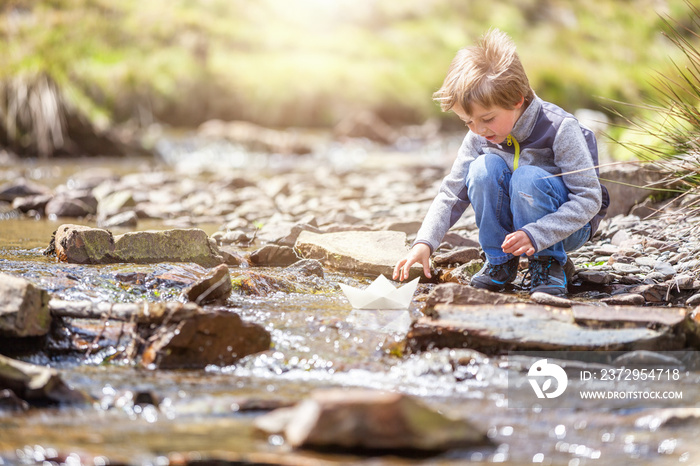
[512, 141]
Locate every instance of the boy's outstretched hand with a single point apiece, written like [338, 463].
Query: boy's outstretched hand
[418, 253]
[518, 243]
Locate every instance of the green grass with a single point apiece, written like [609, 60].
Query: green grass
[310, 62]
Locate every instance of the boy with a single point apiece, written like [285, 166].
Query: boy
[527, 167]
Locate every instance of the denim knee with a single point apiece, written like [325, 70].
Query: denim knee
[486, 168]
[527, 179]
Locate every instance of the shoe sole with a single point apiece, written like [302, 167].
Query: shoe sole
[551, 291]
[495, 288]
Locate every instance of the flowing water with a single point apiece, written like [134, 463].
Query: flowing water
[318, 342]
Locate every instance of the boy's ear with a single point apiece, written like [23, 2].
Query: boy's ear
[520, 102]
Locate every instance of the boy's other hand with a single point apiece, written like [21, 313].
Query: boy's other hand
[518, 243]
[418, 253]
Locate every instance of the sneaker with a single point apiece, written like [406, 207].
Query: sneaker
[546, 275]
[495, 277]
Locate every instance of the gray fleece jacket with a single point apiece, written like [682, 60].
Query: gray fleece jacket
[549, 138]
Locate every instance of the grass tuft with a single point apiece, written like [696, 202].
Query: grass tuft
[665, 133]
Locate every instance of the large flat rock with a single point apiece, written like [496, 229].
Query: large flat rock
[517, 327]
[85, 245]
[368, 252]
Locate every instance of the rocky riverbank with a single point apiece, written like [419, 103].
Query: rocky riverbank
[292, 237]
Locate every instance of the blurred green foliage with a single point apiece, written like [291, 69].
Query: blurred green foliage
[310, 62]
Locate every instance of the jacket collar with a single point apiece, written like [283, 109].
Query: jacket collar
[526, 123]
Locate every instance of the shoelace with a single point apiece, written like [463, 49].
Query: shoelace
[538, 273]
[494, 269]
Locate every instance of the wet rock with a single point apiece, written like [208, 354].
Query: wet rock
[306, 267]
[550, 300]
[669, 417]
[233, 257]
[693, 300]
[369, 252]
[215, 287]
[629, 316]
[625, 299]
[72, 204]
[219, 338]
[259, 284]
[98, 335]
[646, 359]
[457, 256]
[141, 313]
[24, 309]
[456, 294]
[493, 329]
[84, 245]
[461, 274]
[36, 383]
[21, 188]
[121, 220]
[231, 237]
[9, 401]
[273, 255]
[369, 420]
[32, 203]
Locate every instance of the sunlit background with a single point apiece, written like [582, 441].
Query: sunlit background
[310, 63]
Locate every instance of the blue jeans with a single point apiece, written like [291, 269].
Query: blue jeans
[506, 201]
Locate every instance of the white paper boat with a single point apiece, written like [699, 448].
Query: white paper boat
[380, 294]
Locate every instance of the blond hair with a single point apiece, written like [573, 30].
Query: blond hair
[488, 74]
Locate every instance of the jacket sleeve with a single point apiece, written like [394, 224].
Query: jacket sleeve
[572, 156]
[451, 200]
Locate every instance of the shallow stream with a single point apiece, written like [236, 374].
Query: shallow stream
[318, 342]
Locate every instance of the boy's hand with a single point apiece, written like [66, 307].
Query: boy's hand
[518, 243]
[418, 253]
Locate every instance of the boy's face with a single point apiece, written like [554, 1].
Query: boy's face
[494, 123]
